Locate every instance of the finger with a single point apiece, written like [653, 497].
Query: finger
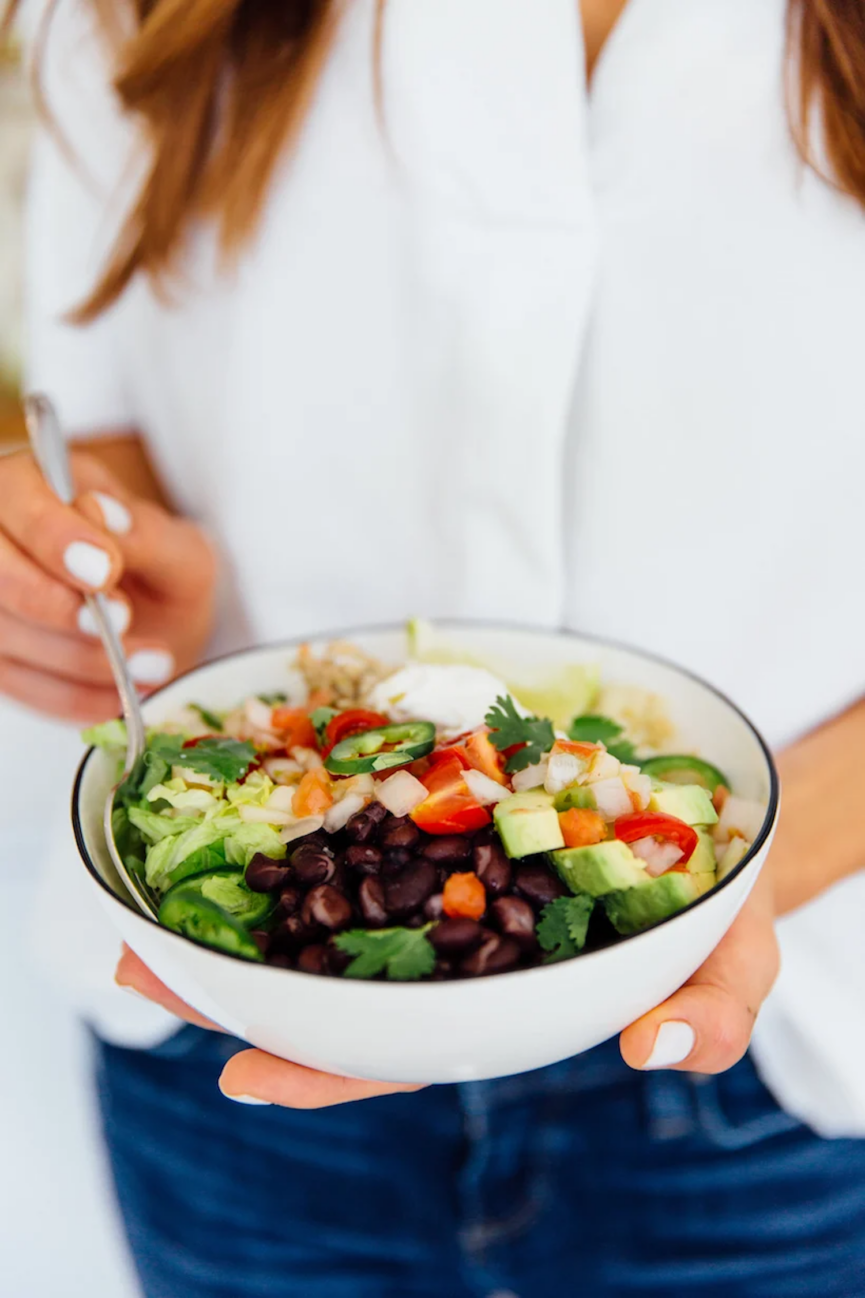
[77, 658]
[57, 537]
[56, 695]
[253, 1075]
[134, 975]
[169, 554]
[31, 595]
[706, 1026]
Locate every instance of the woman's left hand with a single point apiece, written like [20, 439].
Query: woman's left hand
[706, 1026]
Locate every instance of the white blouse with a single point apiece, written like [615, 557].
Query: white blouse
[530, 352]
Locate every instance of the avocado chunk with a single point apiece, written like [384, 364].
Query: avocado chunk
[528, 823]
[702, 859]
[688, 802]
[605, 867]
[636, 909]
[576, 795]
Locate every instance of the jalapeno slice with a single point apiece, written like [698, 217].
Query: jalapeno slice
[216, 908]
[684, 769]
[382, 748]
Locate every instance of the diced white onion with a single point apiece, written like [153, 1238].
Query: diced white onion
[364, 785]
[563, 769]
[740, 817]
[282, 770]
[258, 714]
[483, 789]
[612, 798]
[658, 856]
[306, 825]
[531, 778]
[263, 815]
[638, 784]
[401, 792]
[281, 799]
[602, 766]
[307, 758]
[341, 812]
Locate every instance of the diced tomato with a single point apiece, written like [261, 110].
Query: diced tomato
[719, 797]
[294, 727]
[450, 807]
[445, 754]
[314, 794]
[464, 895]
[484, 756]
[353, 722]
[645, 824]
[574, 746]
[582, 827]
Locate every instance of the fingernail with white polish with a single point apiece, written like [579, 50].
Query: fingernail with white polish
[245, 1099]
[118, 614]
[151, 666]
[673, 1044]
[133, 991]
[87, 563]
[117, 517]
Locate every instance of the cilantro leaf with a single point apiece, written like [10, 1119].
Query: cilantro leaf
[508, 728]
[403, 953]
[209, 718]
[593, 729]
[221, 759]
[320, 718]
[625, 752]
[563, 926]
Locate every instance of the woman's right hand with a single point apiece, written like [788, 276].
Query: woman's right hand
[159, 573]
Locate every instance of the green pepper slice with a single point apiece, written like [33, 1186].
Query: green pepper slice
[216, 908]
[683, 769]
[364, 752]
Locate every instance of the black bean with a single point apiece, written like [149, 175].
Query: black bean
[313, 959]
[456, 937]
[399, 832]
[363, 857]
[411, 887]
[494, 956]
[434, 906]
[364, 824]
[292, 932]
[265, 875]
[492, 867]
[261, 939]
[396, 859]
[326, 906]
[537, 883]
[289, 900]
[279, 960]
[447, 848]
[312, 865]
[337, 961]
[516, 919]
[370, 897]
[443, 969]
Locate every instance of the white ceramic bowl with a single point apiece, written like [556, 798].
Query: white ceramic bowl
[448, 1031]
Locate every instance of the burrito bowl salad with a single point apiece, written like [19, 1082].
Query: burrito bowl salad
[421, 822]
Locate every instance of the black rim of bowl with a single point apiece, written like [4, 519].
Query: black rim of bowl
[459, 624]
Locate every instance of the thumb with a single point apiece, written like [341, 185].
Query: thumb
[168, 555]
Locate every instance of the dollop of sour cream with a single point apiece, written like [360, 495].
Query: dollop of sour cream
[455, 698]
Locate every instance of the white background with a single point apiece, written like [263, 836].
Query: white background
[60, 1235]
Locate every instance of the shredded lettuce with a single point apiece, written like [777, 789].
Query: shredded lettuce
[255, 790]
[182, 798]
[155, 827]
[244, 841]
[110, 735]
[239, 841]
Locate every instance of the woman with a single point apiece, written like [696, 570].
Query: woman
[494, 309]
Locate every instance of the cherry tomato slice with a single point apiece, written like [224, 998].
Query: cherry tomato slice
[446, 754]
[450, 807]
[294, 727]
[643, 824]
[484, 757]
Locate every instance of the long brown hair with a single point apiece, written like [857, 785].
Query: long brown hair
[222, 88]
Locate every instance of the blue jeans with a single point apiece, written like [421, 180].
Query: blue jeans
[581, 1179]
